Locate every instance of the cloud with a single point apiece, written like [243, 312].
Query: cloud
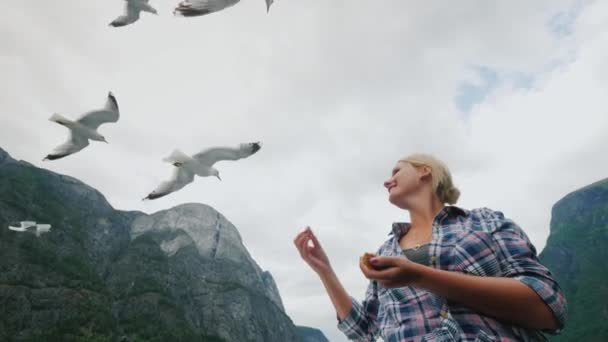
[474, 91]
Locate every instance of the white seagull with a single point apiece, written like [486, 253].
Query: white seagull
[25, 225]
[194, 8]
[200, 164]
[132, 10]
[84, 128]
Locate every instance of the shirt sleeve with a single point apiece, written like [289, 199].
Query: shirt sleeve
[360, 324]
[518, 260]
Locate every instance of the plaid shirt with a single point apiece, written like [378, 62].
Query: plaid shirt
[480, 242]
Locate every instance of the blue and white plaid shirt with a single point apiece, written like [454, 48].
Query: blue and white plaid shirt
[479, 242]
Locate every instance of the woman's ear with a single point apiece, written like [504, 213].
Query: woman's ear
[425, 171]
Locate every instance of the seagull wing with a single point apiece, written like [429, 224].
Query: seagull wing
[213, 155]
[131, 14]
[181, 177]
[17, 229]
[75, 143]
[193, 8]
[268, 4]
[109, 113]
[132, 8]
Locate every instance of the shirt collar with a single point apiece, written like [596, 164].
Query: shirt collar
[401, 228]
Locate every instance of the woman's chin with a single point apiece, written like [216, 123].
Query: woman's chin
[397, 200]
[393, 198]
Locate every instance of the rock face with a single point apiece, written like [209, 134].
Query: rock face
[101, 274]
[213, 237]
[311, 335]
[577, 254]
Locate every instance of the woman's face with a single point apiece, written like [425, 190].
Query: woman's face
[405, 179]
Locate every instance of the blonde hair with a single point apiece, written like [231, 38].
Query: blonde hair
[440, 174]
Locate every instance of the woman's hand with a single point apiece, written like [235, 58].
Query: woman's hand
[314, 255]
[392, 271]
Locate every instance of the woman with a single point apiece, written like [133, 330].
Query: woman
[449, 275]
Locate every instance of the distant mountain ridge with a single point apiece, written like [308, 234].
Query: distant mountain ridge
[101, 274]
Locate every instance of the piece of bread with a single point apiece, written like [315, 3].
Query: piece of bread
[366, 259]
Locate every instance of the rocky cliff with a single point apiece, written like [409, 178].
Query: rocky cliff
[102, 274]
[577, 254]
[311, 335]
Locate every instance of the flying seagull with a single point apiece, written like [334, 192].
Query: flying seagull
[194, 8]
[26, 225]
[200, 164]
[84, 128]
[132, 10]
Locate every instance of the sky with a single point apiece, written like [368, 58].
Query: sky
[510, 94]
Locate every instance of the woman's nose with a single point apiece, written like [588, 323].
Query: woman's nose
[388, 183]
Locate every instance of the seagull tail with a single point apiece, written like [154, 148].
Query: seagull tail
[177, 156]
[58, 119]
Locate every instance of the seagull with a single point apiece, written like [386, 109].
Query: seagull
[132, 10]
[24, 225]
[84, 128]
[200, 164]
[194, 8]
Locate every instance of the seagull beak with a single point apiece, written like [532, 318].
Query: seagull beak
[218, 177]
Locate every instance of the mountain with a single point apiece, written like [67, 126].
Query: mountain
[101, 274]
[307, 334]
[577, 254]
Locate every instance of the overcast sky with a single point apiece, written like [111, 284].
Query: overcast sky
[512, 95]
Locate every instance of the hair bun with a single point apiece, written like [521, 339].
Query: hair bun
[451, 195]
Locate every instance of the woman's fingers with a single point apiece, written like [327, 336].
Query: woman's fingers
[369, 272]
[314, 239]
[299, 236]
[299, 239]
[302, 243]
[379, 262]
[387, 273]
[303, 247]
[310, 253]
[304, 233]
[376, 275]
